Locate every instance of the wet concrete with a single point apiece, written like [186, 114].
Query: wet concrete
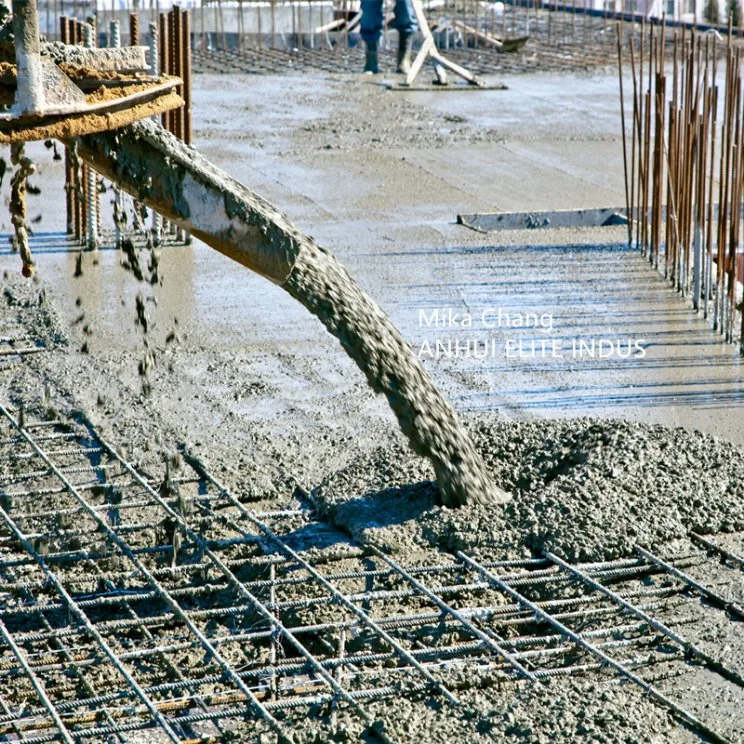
[388, 211]
[396, 207]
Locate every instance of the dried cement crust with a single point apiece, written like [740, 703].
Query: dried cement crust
[68, 126]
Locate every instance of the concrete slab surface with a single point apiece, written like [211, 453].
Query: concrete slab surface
[378, 178]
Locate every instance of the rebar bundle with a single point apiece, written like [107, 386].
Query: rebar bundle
[170, 47]
[685, 181]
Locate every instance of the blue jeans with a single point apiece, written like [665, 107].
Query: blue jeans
[371, 25]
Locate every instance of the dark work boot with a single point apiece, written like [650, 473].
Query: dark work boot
[371, 66]
[405, 46]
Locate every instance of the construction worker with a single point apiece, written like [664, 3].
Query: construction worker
[371, 28]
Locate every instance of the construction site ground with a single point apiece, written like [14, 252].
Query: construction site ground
[248, 381]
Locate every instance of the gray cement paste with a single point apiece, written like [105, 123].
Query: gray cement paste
[374, 343]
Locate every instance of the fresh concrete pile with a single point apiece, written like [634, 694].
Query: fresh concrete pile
[586, 489]
[557, 711]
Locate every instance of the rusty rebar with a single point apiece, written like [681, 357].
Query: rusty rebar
[628, 207]
[580, 640]
[680, 146]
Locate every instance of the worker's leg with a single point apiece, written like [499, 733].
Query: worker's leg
[405, 22]
[405, 18]
[371, 28]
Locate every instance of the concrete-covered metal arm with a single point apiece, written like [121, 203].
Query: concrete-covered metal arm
[184, 187]
[30, 90]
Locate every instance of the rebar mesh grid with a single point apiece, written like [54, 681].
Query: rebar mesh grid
[15, 344]
[557, 41]
[141, 597]
[266, 61]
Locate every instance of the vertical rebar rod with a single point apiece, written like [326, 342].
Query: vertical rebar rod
[703, 139]
[689, 169]
[670, 230]
[177, 66]
[628, 209]
[695, 236]
[641, 137]
[632, 213]
[155, 69]
[240, 11]
[659, 144]
[735, 203]
[648, 180]
[658, 109]
[645, 186]
[186, 74]
[172, 62]
[709, 234]
[723, 202]
[92, 178]
[115, 42]
[163, 56]
[134, 32]
[216, 24]
[69, 170]
[682, 161]
[273, 24]
[259, 27]
[299, 25]
[80, 180]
